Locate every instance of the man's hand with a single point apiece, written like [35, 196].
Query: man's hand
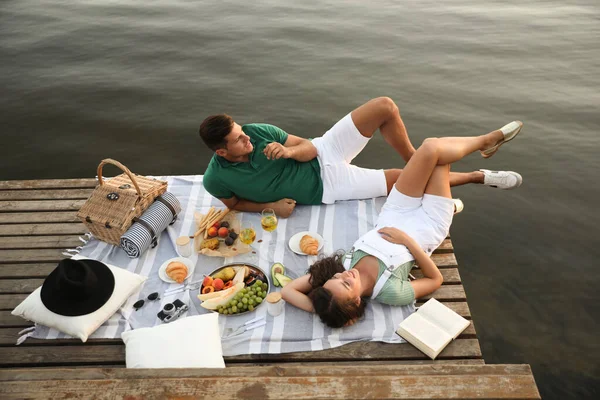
[395, 235]
[275, 151]
[284, 207]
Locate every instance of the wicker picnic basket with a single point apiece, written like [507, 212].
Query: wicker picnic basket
[114, 204]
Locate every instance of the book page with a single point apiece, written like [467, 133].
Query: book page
[430, 335]
[443, 317]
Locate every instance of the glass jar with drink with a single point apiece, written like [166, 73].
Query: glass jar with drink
[268, 220]
[247, 234]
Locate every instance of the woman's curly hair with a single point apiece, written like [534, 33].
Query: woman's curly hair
[333, 313]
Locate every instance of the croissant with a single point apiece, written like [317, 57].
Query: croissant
[177, 271]
[309, 245]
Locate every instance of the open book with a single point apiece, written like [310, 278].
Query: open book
[432, 327]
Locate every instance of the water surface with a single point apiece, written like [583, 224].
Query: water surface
[132, 80]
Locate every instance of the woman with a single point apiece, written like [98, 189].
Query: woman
[414, 221]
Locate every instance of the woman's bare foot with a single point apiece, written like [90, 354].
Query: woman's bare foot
[498, 137]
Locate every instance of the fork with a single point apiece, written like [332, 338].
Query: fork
[249, 325]
[183, 288]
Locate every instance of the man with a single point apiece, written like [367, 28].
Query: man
[259, 166]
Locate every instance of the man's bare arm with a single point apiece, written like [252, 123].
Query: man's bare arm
[295, 147]
[282, 208]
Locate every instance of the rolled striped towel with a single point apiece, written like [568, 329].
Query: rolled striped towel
[144, 232]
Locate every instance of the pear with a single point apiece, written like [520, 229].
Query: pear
[226, 274]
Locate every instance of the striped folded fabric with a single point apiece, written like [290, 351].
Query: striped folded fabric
[144, 232]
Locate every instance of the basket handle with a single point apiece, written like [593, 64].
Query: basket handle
[123, 168]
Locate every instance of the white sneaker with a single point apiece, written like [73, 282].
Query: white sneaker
[501, 179]
[458, 206]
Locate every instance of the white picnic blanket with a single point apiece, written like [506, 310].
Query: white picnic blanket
[294, 330]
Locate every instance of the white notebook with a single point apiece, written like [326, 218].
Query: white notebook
[432, 327]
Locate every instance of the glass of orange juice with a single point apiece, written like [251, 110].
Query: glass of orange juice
[268, 220]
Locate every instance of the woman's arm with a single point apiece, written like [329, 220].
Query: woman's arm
[432, 277]
[295, 293]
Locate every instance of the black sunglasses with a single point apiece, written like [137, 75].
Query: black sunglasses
[140, 303]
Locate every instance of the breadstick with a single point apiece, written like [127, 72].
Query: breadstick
[207, 216]
[219, 217]
[211, 213]
[201, 225]
[198, 232]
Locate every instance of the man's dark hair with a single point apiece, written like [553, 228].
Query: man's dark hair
[214, 129]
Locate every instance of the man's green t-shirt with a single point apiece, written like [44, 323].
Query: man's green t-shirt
[261, 180]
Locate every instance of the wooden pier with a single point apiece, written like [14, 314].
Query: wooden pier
[38, 222]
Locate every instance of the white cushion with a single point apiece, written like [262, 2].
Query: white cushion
[191, 342]
[32, 308]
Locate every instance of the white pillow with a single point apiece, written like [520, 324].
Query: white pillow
[192, 342]
[32, 308]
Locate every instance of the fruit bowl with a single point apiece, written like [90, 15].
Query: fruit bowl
[247, 293]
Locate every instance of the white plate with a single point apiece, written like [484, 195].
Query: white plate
[162, 271]
[295, 241]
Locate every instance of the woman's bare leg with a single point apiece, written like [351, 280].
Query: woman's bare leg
[439, 185]
[456, 178]
[439, 151]
[439, 182]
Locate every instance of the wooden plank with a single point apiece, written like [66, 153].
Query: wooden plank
[444, 260]
[38, 217]
[462, 308]
[40, 242]
[451, 275]
[40, 205]
[445, 247]
[31, 255]
[16, 286]
[45, 194]
[460, 348]
[9, 336]
[296, 382]
[254, 370]
[10, 333]
[26, 271]
[43, 229]
[10, 301]
[10, 326]
[466, 361]
[48, 184]
[448, 293]
[10, 321]
[26, 356]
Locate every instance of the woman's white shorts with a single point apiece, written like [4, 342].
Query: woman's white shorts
[426, 219]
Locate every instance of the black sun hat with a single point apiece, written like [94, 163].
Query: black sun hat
[77, 287]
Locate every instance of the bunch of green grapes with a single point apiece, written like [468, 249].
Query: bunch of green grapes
[246, 299]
